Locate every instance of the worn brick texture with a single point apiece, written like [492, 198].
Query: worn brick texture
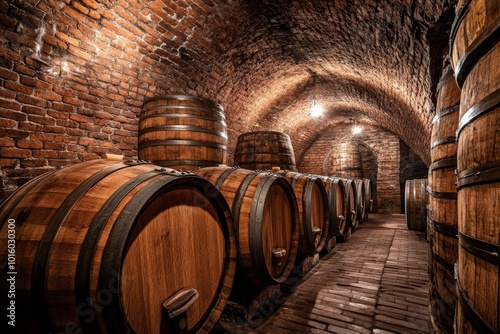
[75, 73]
[385, 290]
[380, 155]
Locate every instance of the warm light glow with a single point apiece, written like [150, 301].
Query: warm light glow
[316, 110]
[356, 130]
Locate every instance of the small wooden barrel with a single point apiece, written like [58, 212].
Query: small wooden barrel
[360, 199]
[415, 204]
[336, 202]
[265, 213]
[345, 162]
[264, 150]
[182, 132]
[102, 245]
[475, 51]
[312, 202]
[350, 202]
[369, 197]
[443, 228]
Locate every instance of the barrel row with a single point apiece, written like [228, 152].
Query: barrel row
[89, 238]
[97, 230]
[474, 54]
[442, 206]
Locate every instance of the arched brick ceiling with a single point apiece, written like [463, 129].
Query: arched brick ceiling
[257, 58]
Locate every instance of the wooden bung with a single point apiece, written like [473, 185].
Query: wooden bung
[313, 211]
[264, 209]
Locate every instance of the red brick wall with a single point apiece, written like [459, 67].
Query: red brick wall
[373, 142]
[74, 73]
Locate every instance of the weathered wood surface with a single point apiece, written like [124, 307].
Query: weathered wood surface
[182, 132]
[476, 57]
[443, 217]
[264, 150]
[264, 208]
[102, 244]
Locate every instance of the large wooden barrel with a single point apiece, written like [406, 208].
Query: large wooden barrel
[117, 247]
[265, 212]
[416, 198]
[345, 161]
[360, 199]
[182, 132]
[443, 229]
[336, 203]
[350, 202]
[313, 211]
[475, 53]
[264, 150]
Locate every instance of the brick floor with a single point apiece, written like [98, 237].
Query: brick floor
[377, 282]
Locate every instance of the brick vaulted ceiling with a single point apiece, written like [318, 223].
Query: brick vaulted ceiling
[374, 61]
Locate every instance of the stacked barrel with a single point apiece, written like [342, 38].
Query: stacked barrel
[416, 199]
[344, 161]
[442, 223]
[265, 150]
[475, 52]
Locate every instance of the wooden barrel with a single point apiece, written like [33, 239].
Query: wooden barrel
[360, 199]
[475, 53]
[312, 201]
[182, 132]
[443, 229]
[265, 212]
[415, 204]
[102, 245]
[336, 203]
[369, 197]
[264, 150]
[350, 202]
[345, 161]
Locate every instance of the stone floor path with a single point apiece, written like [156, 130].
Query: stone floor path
[377, 282]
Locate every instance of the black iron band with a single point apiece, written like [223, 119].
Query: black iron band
[16, 197]
[471, 315]
[449, 266]
[451, 195]
[444, 141]
[223, 177]
[181, 143]
[189, 128]
[481, 45]
[444, 229]
[486, 173]
[445, 112]
[219, 120]
[89, 245]
[445, 76]
[444, 163]
[481, 249]
[487, 104]
[41, 261]
[460, 14]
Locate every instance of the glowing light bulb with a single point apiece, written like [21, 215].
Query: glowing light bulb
[316, 110]
[356, 130]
